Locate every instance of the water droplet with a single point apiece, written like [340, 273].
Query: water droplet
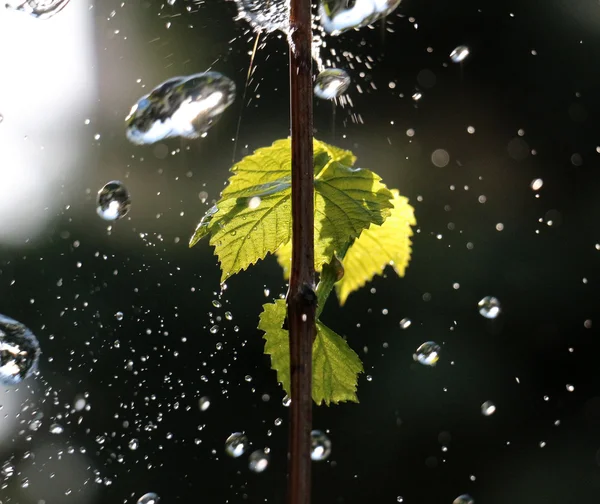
[1, 118]
[236, 444]
[570, 388]
[149, 498]
[181, 106]
[286, 401]
[320, 445]
[214, 329]
[134, 444]
[19, 352]
[204, 403]
[459, 54]
[405, 323]
[489, 307]
[464, 499]
[258, 461]
[338, 16]
[113, 201]
[56, 429]
[265, 16]
[41, 9]
[331, 83]
[428, 353]
[119, 315]
[537, 184]
[488, 408]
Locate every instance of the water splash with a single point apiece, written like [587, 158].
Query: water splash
[41, 9]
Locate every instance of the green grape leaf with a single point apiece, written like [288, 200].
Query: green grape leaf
[377, 247]
[335, 365]
[253, 216]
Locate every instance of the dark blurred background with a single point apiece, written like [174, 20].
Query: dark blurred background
[528, 91]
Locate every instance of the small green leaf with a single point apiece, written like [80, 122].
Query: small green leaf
[253, 216]
[377, 247]
[335, 365]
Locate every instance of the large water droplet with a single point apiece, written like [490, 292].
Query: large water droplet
[464, 499]
[320, 445]
[236, 444]
[337, 16]
[204, 403]
[331, 83]
[180, 106]
[258, 461]
[488, 408]
[113, 201]
[41, 9]
[459, 54]
[56, 429]
[489, 307]
[428, 353]
[19, 351]
[265, 15]
[149, 498]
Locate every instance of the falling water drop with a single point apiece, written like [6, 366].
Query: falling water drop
[236, 444]
[331, 83]
[489, 307]
[320, 447]
[181, 106]
[149, 498]
[488, 408]
[19, 352]
[41, 9]
[464, 499]
[338, 16]
[459, 54]
[258, 461]
[113, 201]
[204, 403]
[428, 353]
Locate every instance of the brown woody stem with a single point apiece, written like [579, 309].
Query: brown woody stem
[301, 298]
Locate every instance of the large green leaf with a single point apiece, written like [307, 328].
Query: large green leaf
[253, 216]
[335, 365]
[377, 247]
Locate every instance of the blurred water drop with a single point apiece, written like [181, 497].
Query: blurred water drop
[41, 9]
[134, 444]
[464, 499]
[258, 461]
[459, 54]
[331, 83]
[405, 323]
[428, 353]
[262, 15]
[204, 403]
[236, 444]
[320, 445]
[181, 106]
[149, 498]
[19, 352]
[488, 408]
[56, 429]
[489, 307]
[113, 201]
[537, 184]
[286, 401]
[338, 16]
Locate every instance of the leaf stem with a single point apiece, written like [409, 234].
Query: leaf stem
[301, 298]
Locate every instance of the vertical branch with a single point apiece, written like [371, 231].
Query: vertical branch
[301, 297]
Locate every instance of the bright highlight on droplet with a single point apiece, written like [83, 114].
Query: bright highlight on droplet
[113, 201]
[236, 444]
[428, 353]
[489, 307]
[320, 445]
[488, 408]
[149, 498]
[459, 54]
[537, 184]
[331, 83]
